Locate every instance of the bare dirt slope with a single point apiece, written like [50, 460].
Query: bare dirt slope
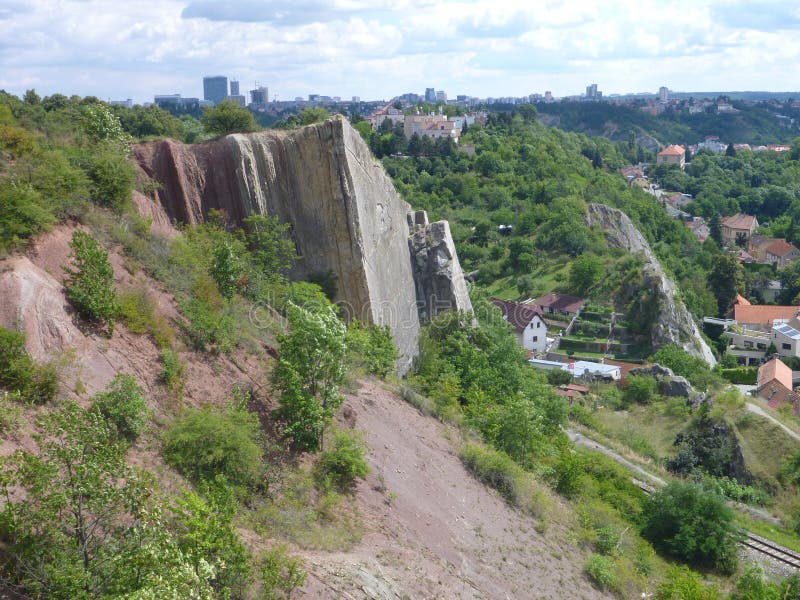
[430, 529]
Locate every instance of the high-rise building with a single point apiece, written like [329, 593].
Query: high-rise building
[663, 93]
[441, 96]
[430, 95]
[215, 88]
[234, 87]
[259, 96]
[591, 91]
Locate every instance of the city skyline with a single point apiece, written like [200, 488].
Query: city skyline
[380, 49]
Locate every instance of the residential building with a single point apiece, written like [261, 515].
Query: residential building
[757, 247]
[527, 321]
[259, 97]
[176, 102]
[774, 383]
[672, 155]
[441, 97]
[738, 228]
[780, 253]
[430, 95]
[698, 227]
[434, 126]
[663, 94]
[584, 369]
[234, 87]
[215, 88]
[387, 113]
[786, 337]
[559, 304]
[762, 317]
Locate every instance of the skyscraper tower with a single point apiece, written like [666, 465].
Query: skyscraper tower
[215, 88]
[234, 87]
[430, 95]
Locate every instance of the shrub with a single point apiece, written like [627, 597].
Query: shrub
[740, 375]
[10, 413]
[122, 405]
[208, 329]
[90, 281]
[140, 313]
[692, 524]
[681, 583]
[493, 468]
[112, 179]
[20, 374]
[23, 213]
[172, 369]
[208, 442]
[608, 540]
[344, 463]
[601, 570]
[640, 390]
[280, 574]
[372, 347]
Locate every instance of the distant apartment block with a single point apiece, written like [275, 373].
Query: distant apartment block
[176, 102]
[259, 97]
[387, 113]
[663, 94]
[215, 88]
[234, 87]
[672, 155]
[433, 126]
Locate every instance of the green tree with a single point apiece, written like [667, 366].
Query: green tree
[269, 242]
[692, 524]
[227, 117]
[726, 279]
[90, 281]
[102, 125]
[80, 500]
[226, 270]
[123, 405]
[313, 114]
[639, 390]
[308, 373]
[344, 462]
[584, 272]
[715, 228]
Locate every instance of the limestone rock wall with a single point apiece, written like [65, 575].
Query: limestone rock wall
[674, 324]
[344, 212]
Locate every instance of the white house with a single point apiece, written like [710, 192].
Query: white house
[527, 321]
[582, 368]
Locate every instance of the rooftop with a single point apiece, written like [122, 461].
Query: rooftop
[780, 248]
[560, 302]
[673, 150]
[775, 370]
[739, 221]
[763, 314]
[788, 331]
[516, 314]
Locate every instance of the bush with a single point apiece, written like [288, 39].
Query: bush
[639, 390]
[740, 375]
[140, 313]
[23, 213]
[122, 405]
[280, 574]
[208, 442]
[371, 347]
[344, 463]
[171, 374]
[601, 570]
[493, 468]
[90, 281]
[681, 583]
[608, 540]
[208, 329]
[20, 374]
[112, 179]
[692, 524]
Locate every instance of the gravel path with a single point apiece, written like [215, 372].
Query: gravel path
[755, 408]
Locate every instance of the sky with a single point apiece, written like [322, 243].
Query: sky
[378, 49]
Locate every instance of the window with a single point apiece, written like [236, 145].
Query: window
[538, 324]
[748, 344]
[536, 338]
[786, 346]
[761, 346]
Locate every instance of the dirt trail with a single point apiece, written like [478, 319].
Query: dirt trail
[754, 408]
[430, 529]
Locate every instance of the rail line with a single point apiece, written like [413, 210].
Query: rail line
[775, 552]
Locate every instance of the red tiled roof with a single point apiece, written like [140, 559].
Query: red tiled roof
[775, 370]
[577, 388]
[741, 301]
[739, 221]
[762, 313]
[518, 315]
[560, 302]
[673, 150]
[780, 248]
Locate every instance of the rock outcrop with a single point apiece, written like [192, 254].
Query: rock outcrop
[345, 215]
[673, 324]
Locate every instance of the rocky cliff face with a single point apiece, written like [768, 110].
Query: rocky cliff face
[674, 324]
[345, 214]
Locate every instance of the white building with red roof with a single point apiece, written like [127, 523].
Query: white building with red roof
[527, 321]
[672, 155]
[738, 228]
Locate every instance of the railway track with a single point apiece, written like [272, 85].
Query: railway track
[775, 552]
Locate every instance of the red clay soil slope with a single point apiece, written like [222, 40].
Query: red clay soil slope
[434, 531]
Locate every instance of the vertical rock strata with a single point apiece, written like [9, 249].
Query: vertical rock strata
[674, 324]
[345, 214]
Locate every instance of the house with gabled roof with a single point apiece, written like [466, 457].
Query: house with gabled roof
[559, 304]
[527, 321]
[780, 253]
[672, 155]
[738, 228]
[774, 383]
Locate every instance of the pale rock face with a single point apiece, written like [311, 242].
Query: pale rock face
[674, 324]
[345, 214]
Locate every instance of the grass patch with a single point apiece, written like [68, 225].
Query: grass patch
[139, 310]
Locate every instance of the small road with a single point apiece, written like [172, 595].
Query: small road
[582, 440]
[755, 408]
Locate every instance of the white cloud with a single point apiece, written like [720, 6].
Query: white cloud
[380, 48]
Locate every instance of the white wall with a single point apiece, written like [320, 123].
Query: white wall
[535, 329]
